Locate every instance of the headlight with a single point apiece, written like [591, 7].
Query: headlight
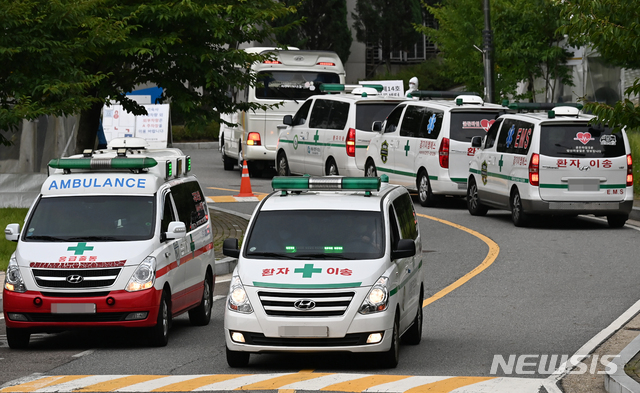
[13, 280]
[144, 277]
[377, 299]
[237, 299]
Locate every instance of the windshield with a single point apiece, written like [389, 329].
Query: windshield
[92, 218]
[580, 140]
[316, 234]
[366, 114]
[466, 125]
[292, 85]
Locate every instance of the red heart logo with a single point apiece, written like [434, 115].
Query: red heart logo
[486, 124]
[583, 137]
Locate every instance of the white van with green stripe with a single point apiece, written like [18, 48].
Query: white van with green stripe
[552, 163]
[426, 145]
[328, 264]
[330, 132]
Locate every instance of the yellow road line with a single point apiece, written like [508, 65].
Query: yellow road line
[193, 384]
[42, 383]
[283, 380]
[361, 384]
[118, 383]
[494, 250]
[228, 189]
[447, 385]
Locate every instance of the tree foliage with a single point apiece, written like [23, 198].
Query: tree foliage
[612, 28]
[525, 38]
[65, 57]
[317, 25]
[388, 24]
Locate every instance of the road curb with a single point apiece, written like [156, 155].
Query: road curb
[195, 145]
[635, 214]
[619, 381]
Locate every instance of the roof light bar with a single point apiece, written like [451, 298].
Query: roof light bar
[541, 106]
[328, 183]
[103, 163]
[188, 164]
[441, 94]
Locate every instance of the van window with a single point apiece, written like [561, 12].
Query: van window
[320, 114]
[167, 214]
[411, 121]
[515, 137]
[366, 114]
[302, 114]
[393, 119]
[580, 140]
[466, 125]
[292, 85]
[492, 134]
[338, 115]
[406, 217]
[191, 205]
[431, 123]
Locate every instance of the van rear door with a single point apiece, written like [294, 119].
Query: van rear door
[582, 162]
[366, 114]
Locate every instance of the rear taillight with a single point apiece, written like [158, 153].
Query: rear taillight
[534, 170]
[351, 142]
[253, 139]
[326, 63]
[629, 170]
[444, 153]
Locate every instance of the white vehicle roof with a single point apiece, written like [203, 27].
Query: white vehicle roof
[461, 102]
[559, 114]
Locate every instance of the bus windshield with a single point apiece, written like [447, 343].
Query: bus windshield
[292, 85]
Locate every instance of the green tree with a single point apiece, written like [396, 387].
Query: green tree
[388, 24]
[612, 28]
[318, 25]
[526, 43]
[67, 57]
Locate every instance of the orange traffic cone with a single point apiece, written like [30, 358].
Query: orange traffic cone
[245, 184]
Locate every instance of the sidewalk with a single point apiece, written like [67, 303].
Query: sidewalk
[226, 224]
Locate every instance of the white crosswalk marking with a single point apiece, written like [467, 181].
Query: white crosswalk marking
[236, 383]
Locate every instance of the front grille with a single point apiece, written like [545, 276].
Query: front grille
[327, 304]
[348, 340]
[98, 317]
[91, 278]
[75, 294]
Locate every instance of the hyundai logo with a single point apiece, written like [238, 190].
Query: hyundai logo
[75, 279]
[584, 168]
[298, 58]
[304, 304]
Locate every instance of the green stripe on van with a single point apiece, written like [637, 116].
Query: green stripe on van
[500, 176]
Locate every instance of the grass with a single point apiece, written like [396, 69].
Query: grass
[634, 142]
[9, 215]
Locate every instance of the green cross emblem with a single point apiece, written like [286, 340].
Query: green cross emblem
[80, 249]
[316, 137]
[501, 163]
[308, 270]
[406, 149]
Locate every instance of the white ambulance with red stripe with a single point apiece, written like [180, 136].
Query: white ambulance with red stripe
[119, 237]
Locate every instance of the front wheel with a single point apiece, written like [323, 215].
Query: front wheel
[159, 334]
[424, 190]
[617, 221]
[237, 358]
[390, 358]
[413, 336]
[17, 338]
[519, 217]
[201, 315]
[370, 170]
[473, 202]
[283, 165]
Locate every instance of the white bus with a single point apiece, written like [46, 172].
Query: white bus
[289, 79]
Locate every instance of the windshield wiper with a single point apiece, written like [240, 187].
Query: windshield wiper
[271, 254]
[46, 237]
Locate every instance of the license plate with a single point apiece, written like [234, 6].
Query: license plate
[303, 331]
[73, 308]
[584, 184]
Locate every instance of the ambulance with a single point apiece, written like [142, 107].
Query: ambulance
[329, 264]
[117, 238]
[554, 162]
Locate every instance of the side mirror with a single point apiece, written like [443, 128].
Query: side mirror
[230, 248]
[406, 248]
[12, 232]
[376, 126]
[476, 141]
[287, 120]
[176, 230]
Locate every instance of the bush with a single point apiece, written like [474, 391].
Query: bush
[195, 133]
[9, 215]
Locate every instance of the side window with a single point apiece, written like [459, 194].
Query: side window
[515, 137]
[411, 121]
[167, 213]
[393, 225]
[508, 129]
[492, 134]
[320, 114]
[406, 217]
[302, 114]
[391, 124]
[191, 205]
[431, 123]
[338, 116]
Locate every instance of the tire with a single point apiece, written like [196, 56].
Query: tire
[413, 336]
[475, 207]
[237, 359]
[370, 169]
[227, 161]
[331, 168]
[253, 169]
[159, 334]
[283, 165]
[390, 358]
[617, 221]
[425, 195]
[519, 217]
[17, 338]
[201, 315]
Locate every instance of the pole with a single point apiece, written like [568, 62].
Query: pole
[487, 36]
